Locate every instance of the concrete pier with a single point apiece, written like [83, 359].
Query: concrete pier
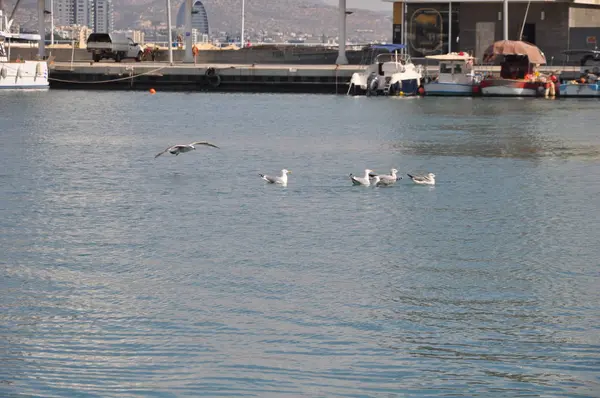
[298, 78]
[203, 77]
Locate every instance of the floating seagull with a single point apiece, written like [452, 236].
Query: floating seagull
[385, 179]
[282, 179]
[428, 179]
[177, 149]
[361, 180]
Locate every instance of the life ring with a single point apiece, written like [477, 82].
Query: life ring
[214, 80]
[210, 72]
[195, 50]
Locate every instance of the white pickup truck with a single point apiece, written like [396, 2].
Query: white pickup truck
[113, 46]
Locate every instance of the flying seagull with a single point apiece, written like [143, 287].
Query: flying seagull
[177, 149]
[282, 179]
[361, 180]
[385, 179]
[428, 179]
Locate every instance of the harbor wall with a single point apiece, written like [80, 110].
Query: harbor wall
[290, 55]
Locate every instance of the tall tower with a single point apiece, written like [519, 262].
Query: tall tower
[64, 12]
[199, 17]
[82, 10]
[103, 16]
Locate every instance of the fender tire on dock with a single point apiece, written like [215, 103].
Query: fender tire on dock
[210, 72]
[214, 80]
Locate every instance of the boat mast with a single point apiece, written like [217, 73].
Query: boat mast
[524, 19]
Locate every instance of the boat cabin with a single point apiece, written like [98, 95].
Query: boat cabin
[454, 67]
[392, 61]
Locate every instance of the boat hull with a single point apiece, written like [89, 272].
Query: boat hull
[580, 90]
[24, 75]
[449, 89]
[511, 88]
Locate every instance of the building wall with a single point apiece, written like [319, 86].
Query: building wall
[584, 16]
[551, 32]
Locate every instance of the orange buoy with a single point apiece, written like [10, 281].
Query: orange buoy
[152, 91]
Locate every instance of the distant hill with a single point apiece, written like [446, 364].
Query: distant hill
[308, 16]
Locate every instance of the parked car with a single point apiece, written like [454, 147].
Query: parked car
[113, 46]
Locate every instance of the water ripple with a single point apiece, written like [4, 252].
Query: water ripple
[127, 276]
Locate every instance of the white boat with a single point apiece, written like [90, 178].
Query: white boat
[389, 74]
[456, 76]
[19, 74]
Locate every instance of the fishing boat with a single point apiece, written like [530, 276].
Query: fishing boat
[391, 73]
[19, 74]
[518, 74]
[455, 77]
[588, 84]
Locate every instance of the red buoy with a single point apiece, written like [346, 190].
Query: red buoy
[421, 90]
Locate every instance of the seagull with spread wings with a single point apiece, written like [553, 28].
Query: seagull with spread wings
[177, 149]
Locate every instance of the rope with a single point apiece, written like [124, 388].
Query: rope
[107, 81]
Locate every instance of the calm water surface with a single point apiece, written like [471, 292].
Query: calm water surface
[122, 275]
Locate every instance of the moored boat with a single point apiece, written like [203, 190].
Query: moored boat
[518, 71]
[456, 76]
[588, 84]
[19, 74]
[389, 74]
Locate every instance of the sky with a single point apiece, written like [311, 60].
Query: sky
[375, 5]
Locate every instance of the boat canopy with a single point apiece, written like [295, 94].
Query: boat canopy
[451, 57]
[514, 47]
[388, 47]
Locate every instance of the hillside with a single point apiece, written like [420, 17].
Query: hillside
[309, 16]
[283, 15]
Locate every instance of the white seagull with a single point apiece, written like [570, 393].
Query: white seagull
[282, 179]
[361, 180]
[177, 149]
[428, 179]
[385, 179]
